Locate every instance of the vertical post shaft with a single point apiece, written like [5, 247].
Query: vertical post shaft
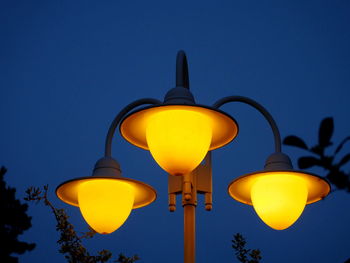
[189, 233]
[199, 181]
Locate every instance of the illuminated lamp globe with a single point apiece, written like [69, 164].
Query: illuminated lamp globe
[279, 199]
[279, 196]
[105, 204]
[179, 136]
[106, 199]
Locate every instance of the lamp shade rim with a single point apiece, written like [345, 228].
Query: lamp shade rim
[240, 188]
[68, 190]
[133, 126]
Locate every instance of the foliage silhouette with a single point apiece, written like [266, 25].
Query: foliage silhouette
[13, 222]
[335, 175]
[243, 254]
[70, 243]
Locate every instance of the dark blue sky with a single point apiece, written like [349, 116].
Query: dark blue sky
[67, 67]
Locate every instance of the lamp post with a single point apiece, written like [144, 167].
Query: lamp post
[180, 135]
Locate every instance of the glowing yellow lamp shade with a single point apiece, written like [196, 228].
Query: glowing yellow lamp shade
[278, 199]
[178, 139]
[105, 204]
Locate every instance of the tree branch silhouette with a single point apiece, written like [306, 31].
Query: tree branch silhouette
[243, 254]
[71, 245]
[335, 173]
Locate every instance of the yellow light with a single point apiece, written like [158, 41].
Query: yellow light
[105, 204]
[213, 126]
[279, 199]
[178, 139]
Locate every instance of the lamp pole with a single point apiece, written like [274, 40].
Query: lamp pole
[199, 181]
[189, 230]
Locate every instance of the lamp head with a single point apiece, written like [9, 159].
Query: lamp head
[279, 193]
[105, 199]
[179, 132]
[178, 135]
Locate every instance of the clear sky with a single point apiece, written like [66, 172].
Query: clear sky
[68, 67]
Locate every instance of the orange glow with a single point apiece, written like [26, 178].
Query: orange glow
[133, 128]
[178, 139]
[279, 199]
[105, 204]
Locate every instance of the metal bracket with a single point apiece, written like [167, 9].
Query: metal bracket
[198, 181]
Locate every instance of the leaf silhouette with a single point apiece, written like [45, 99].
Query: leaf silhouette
[307, 162]
[340, 146]
[344, 160]
[339, 179]
[295, 141]
[325, 132]
[318, 149]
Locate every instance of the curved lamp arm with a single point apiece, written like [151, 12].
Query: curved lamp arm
[118, 118]
[258, 107]
[182, 79]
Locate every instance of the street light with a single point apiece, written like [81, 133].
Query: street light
[106, 198]
[180, 135]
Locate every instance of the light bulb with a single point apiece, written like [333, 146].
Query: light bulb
[105, 204]
[178, 139]
[279, 199]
